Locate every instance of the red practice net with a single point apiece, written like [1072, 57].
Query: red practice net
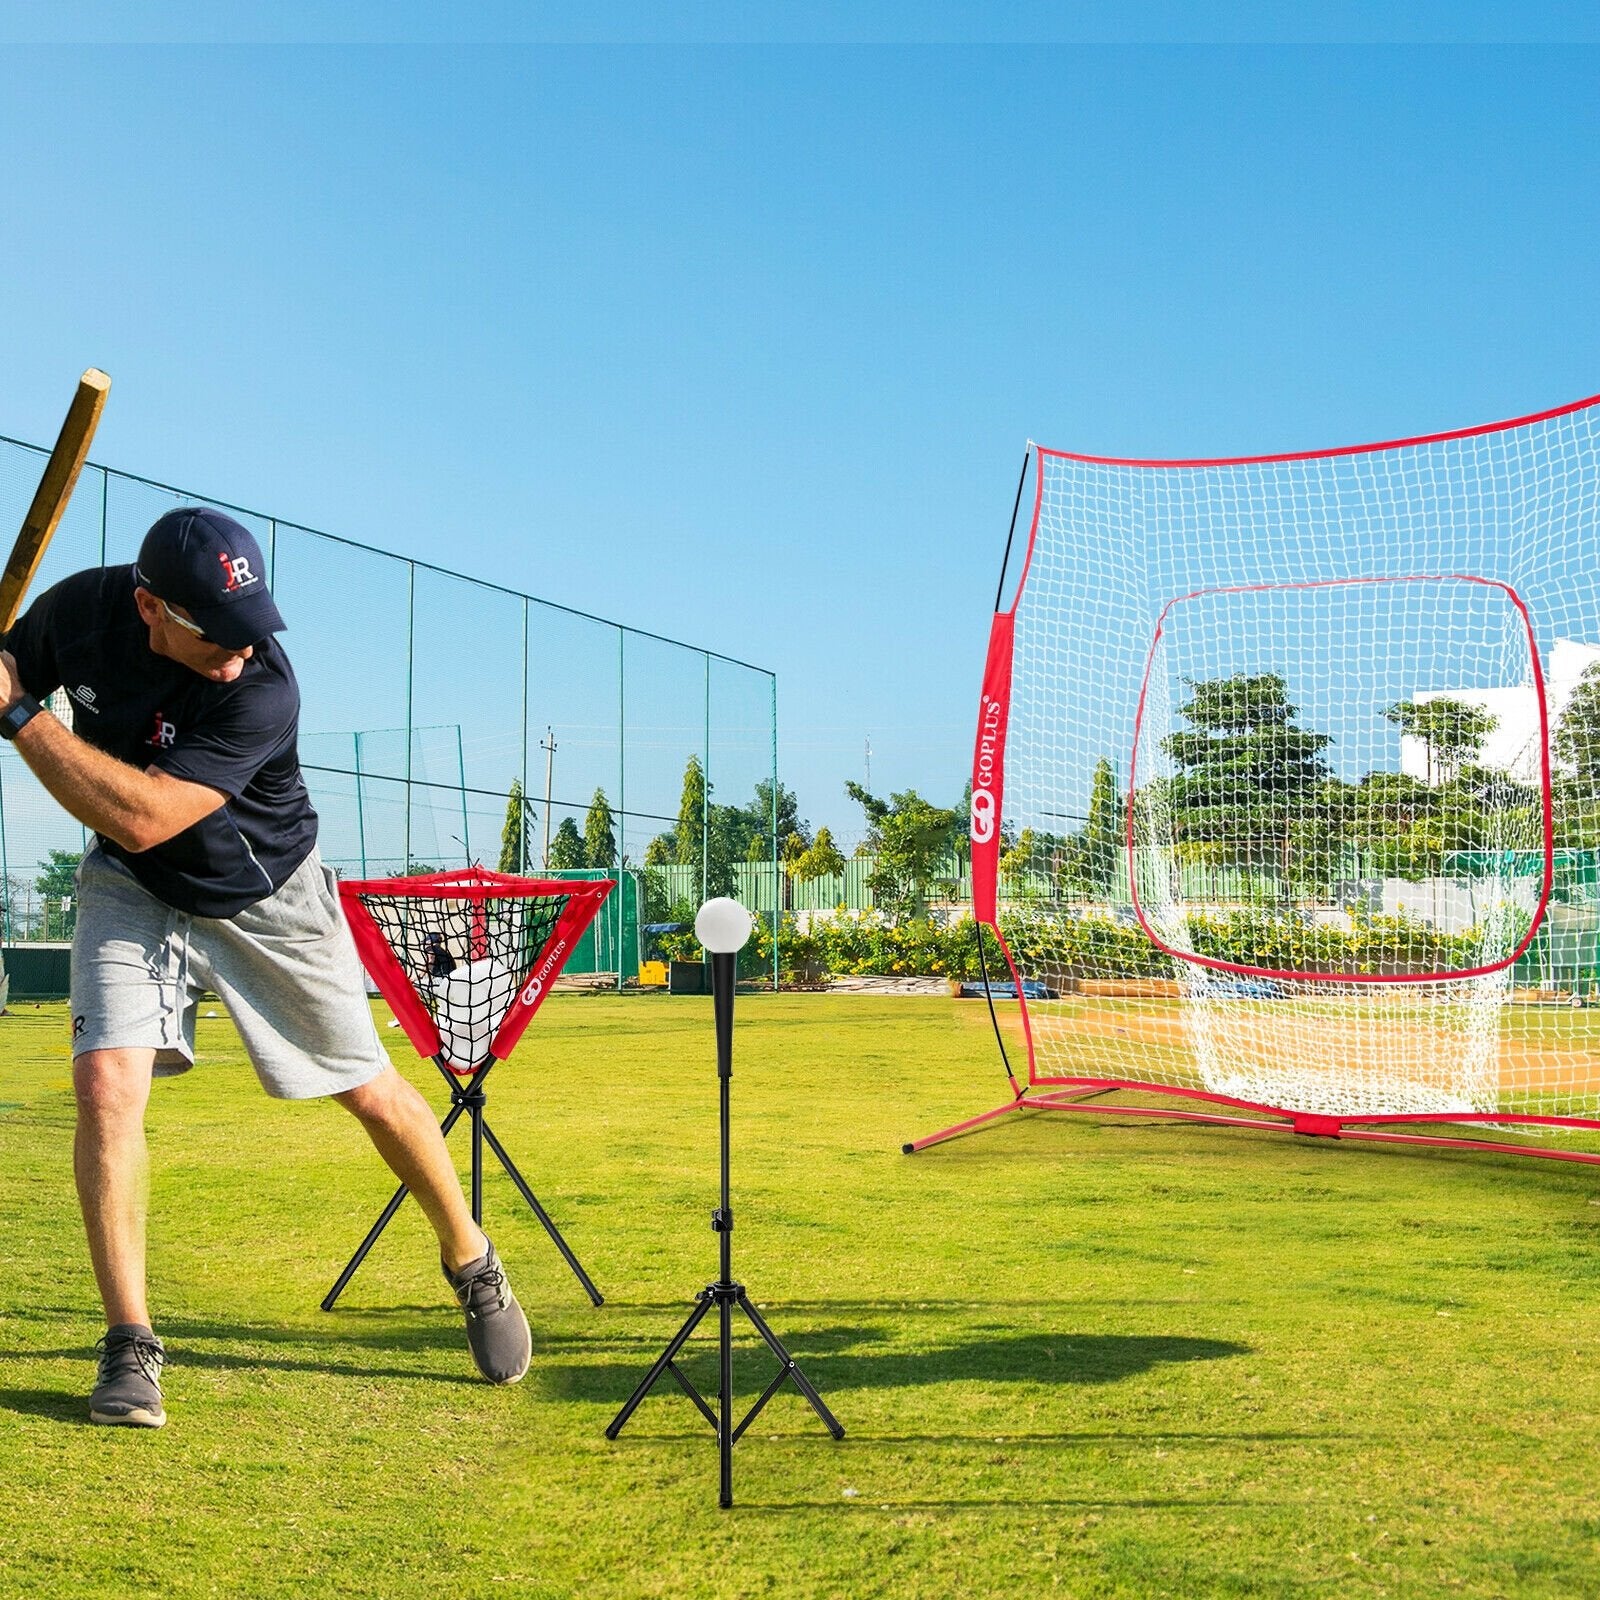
[466, 958]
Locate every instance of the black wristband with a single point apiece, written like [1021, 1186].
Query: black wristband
[19, 716]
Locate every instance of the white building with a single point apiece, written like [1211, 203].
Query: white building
[1513, 746]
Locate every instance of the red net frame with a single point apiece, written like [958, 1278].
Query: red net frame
[576, 903]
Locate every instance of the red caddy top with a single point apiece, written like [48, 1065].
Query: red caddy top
[583, 900]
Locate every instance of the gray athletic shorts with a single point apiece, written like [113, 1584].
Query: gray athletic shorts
[286, 969]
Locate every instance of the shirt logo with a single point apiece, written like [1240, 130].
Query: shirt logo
[164, 735]
[85, 696]
[236, 571]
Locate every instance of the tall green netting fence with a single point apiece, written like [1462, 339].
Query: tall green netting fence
[426, 696]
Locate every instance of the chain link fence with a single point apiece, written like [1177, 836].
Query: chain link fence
[426, 696]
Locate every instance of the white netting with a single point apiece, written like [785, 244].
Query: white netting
[1338, 769]
[466, 958]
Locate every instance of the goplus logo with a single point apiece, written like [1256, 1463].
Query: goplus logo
[535, 984]
[236, 571]
[984, 774]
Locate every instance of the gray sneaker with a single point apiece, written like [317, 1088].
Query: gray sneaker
[127, 1391]
[497, 1331]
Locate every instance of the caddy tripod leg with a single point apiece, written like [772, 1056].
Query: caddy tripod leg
[384, 1218]
[477, 1161]
[543, 1215]
[791, 1369]
[663, 1361]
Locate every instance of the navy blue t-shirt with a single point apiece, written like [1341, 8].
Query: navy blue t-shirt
[85, 635]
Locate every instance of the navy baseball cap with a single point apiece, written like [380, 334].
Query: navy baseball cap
[210, 565]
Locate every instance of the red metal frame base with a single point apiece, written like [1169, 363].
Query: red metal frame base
[1083, 1094]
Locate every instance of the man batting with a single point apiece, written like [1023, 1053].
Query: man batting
[204, 874]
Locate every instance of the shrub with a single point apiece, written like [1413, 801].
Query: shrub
[1060, 947]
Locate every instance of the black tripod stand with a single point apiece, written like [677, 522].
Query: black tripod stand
[725, 1294]
[466, 1095]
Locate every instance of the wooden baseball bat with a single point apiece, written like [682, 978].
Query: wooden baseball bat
[54, 491]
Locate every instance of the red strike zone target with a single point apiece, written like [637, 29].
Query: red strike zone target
[1383, 601]
[531, 924]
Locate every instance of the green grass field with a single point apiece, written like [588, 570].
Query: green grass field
[1074, 1355]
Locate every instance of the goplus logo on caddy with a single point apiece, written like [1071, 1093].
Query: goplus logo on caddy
[535, 985]
[983, 777]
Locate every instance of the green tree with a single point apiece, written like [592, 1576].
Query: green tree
[726, 842]
[912, 839]
[1381, 816]
[1318, 831]
[1451, 731]
[707, 836]
[1069, 868]
[662, 850]
[518, 830]
[963, 840]
[1105, 831]
[1016, 862]
[14, 896]
[689, 836]
[599, 833]
[1576, 748]
[789, 824]
[57, 887]
[566, 849]
[1245, 770]
[1577, 738]
[57, 878]
[732, 833]
[821, 860]
[654, 897]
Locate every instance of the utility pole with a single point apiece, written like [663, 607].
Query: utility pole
[548, 745]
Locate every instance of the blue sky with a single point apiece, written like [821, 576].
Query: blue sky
[742, 343]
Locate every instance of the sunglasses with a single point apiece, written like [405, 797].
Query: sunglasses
[183, 622]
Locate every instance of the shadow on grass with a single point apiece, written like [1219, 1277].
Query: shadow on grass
[906, 1306]
[337, 1351]
[835, 1359]
[54, 1404]
[1088, 1503]
[600, 1364]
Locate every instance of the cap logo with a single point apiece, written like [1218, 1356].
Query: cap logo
[236, 571]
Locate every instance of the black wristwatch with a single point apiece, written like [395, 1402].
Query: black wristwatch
[19, 716]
